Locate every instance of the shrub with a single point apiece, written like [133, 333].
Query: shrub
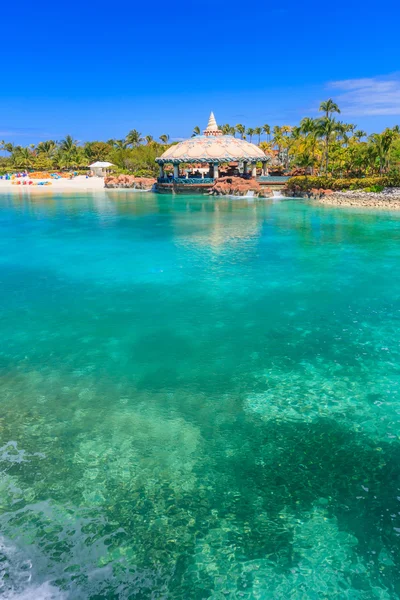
[143, 173]
[306, 184]
[374, 188]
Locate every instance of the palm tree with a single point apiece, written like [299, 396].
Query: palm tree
[240, 129]
[8, 147]
[226, 129]
[286, 129]
[307, 125]
[164, 138]
[325, 128]
[68, 144]
[134, 138]
[381, 145]
[342, 129]
[250, 132]
[267, 130]
[48, 148]
[120, 144]
[295, 133]
[277, 140]
[23, 157]
[196, 131]
[329, 107]
[359, 134]
[309, 129]
[149, 139]
[258, 131]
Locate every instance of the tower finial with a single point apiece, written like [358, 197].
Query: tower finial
[212, 127]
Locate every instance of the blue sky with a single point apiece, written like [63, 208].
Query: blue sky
[97, 70]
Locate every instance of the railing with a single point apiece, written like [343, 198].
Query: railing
[273, 178]
[186, 181]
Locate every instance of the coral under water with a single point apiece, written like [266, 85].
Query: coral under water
[199, 399]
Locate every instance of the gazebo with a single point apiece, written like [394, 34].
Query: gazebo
[99, 168]
[213, 148]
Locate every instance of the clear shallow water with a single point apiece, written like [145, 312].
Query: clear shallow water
[198, 399]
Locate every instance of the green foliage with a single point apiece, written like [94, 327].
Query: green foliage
[97, 151]
[324, 146]
[374, 188]
[144, 173]
[306, 184]
[139, 159]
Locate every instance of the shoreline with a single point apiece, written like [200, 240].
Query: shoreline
[78, 184]
[387, 199]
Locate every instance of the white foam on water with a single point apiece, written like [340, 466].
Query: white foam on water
[16, 577]
[40, 592]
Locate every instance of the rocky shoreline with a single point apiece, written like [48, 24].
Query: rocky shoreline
[129, 182]
[389, 198]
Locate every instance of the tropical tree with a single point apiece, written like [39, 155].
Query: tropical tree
[258, 132]
[329, 107]
[9, 147]
[241, 129]
[96, 151]
[47, 148]
[226, 129]
[196, 131]
[68, 144]
[149, 139]
[23, 157]
[250, 132]
[308, 150]
[325, 128]
[164, 138]
[381, 144]
[134, 138]
[267, 130]
[286, 129]
[359, 134]
[119, 144]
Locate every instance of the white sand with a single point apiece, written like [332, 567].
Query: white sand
[78, 184]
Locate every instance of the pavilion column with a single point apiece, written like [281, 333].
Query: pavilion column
[244, 168]
[254, 170]
[176, 171]
[216, 175]
[264, 169]
[162, 174]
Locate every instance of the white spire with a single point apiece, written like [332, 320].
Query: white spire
[212, 127]
[212, 123]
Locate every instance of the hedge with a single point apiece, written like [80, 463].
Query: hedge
[306, 184]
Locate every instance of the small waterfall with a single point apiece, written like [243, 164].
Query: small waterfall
[276, 195]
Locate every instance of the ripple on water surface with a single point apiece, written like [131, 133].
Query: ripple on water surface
[199, 399]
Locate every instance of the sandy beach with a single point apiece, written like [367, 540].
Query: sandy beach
[78, 184]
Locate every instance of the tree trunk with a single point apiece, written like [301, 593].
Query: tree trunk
[326, 153]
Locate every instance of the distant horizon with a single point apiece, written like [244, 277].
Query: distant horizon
[369, 112]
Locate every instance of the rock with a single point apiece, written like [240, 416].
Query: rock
[129, 182]
[235, 186]
[389, 198]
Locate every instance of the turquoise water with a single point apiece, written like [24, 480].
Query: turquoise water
[199, 399]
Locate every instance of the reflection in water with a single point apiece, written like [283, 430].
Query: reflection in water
[199, 399]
